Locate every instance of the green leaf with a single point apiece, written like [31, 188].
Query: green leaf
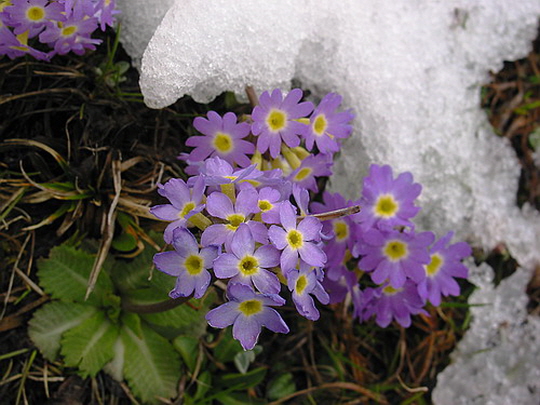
[151, 365]
[188, 347]
[116, 367]
[204, 383]
[239, 381]
[227, 348]
[243, 359]
[89, 345]
[64, 275]
[139, 272]
[51, 321]
[281, 386]
[184, 319]
[237, 398]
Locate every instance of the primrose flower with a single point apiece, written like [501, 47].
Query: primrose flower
[445, 264]
[387, 202]
[223, 138]
[248, 312]
[395, 256]
[248, 266]
[73, 34]
[326, 125]
[185, 202]
[105, 11]
[303, 283]
[188, 264]
[220, 206]
[217, 171]
[389, 303]
[297, 240]
[342, 229]
[269, 203]
[311, 167]
[275, 119]
[15, 46]
[32, 15]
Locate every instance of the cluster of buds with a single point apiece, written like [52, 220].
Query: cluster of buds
[52, 26]
[245, 218]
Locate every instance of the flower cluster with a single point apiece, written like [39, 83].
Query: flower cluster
[245, 217]
[53, 26]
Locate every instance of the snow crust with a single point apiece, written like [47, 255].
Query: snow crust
[412, 72]
[496, 362]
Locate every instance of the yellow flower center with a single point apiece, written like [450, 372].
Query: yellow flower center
[69, 30]
[301, 284]
[265, 205]
[234, 221]
[250, 307]
[303, 173]
[395, 250]
[35, 13]
[389, 290]
[341, 229]
[386, 206]
[188, 207]
[194, 264]
[248, 266]
[294, 238]
[320, 124]
[434, 265]
[276, 120]
[223, 142]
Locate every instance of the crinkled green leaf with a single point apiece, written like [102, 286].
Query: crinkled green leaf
[184, 319]
[204, 383]
[115, 368]
[139, 272]
[51, 321]
[151, 365]
[281, 386]
[227, 348]
[188, 347]
[64, 275]
[89, 346]
[239, 381]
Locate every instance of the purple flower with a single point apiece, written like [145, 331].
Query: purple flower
[274, 120]
[388, 302]
[395, 256]
[342, 230]
[339, 288]
[269, 203]
[303, 283]
[326, 125]
[32, 15]
[297, 240]
[224, 138]
[311, 167]
[445, 264]
[220, 206]
[248, 312]
[217, 171]
[185, 202]
[387, 202]
[73, 34]
[105, 11]
[188, 264]
[248, 266]
[15, 46]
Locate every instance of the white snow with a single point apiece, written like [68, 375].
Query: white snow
[412, 71]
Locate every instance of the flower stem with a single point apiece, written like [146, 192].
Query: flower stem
[154, 308]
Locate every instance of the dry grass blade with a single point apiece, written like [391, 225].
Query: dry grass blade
[108, 233]
[337, 385]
